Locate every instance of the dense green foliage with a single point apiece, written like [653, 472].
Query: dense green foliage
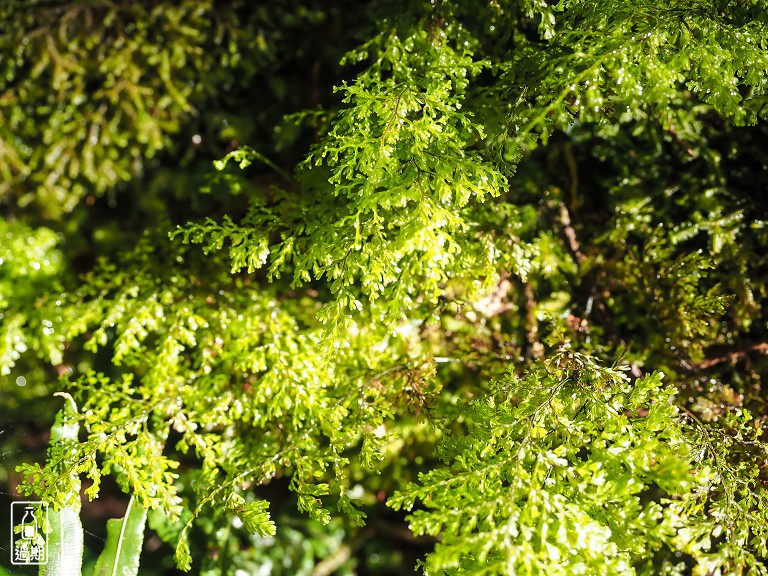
[496, 271]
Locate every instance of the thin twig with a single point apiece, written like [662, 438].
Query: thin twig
[341, 555]
[762, 347]
[573, 169]
[570, 233]
[535, 348]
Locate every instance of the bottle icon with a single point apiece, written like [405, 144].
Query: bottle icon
[29, 524]
[29, 521]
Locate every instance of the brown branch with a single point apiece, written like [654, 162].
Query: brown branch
[535, 348]
[682, 143]
[573, 168]
[762, 347]
[570, 233]
[341, 555]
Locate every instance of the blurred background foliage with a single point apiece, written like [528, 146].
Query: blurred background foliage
[626, 211]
